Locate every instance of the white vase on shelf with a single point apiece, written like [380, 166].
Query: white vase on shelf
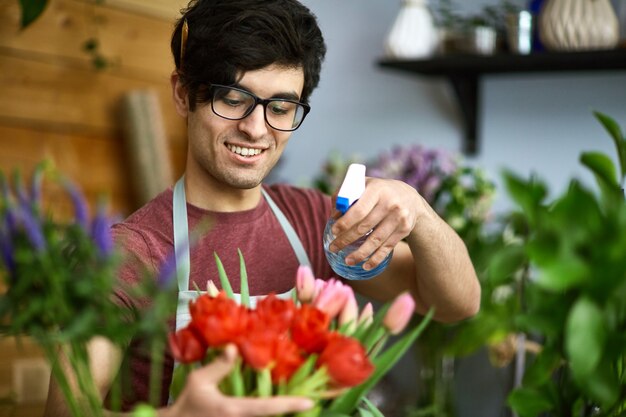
[568, 25]
[413, 34]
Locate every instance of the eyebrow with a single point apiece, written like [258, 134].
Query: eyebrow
[287, 95]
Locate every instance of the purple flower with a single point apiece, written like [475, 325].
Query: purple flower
[6, 250]
[32, 227]
[167, 271]
[423, 169]
[80, 205]
[101, 233]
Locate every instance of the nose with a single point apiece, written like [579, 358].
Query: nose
[254, 124]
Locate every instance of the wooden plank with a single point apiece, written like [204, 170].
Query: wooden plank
[62, 98]
[136, 43]
[169, 10]
[98, 165]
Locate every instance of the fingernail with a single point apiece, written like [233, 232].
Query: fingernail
[333, 248]
[305, 404]
[367, 266]
[350, 261]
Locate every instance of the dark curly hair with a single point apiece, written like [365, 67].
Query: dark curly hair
[230, 37]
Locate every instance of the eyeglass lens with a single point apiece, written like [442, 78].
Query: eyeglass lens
[234, 104]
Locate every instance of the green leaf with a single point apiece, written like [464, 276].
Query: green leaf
[528, 402]
[244, 291]
[618, 138]
[223, 277]
[564, 273]
[31, 10]
[505, 263]
[179, 377]
[603, 385]
[603, 169]
[348, 401]
[541, 369]
[601, 165]
[374, 411]
[585, 336]
[527, 194]
[328, 413]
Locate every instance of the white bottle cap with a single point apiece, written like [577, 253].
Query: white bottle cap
[352, 187]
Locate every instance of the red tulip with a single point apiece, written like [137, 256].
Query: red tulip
[219, 320]
[288, 360]
[257, 344]
[310, 328]
[276, 313]
[187, 346]
[346, 361]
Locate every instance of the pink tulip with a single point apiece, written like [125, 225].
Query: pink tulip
[332, 298]
[305, 284]
[318, 286]
[350, 311]
[399, 314]
[366, 318]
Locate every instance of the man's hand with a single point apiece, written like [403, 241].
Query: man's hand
[389, 207]
[202, 397]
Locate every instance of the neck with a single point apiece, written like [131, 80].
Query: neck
[219, 197]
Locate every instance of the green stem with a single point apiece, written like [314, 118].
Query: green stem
[52, 353]
[80, 363]
[156, 370]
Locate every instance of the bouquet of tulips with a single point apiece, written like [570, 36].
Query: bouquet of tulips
[315, 344]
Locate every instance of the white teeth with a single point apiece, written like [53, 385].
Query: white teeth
[244, 151]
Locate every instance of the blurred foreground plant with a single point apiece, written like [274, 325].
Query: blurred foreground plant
[59, 279]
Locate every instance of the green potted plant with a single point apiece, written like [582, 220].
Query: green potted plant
[559, 282]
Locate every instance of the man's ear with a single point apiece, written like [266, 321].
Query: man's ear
[179, 93]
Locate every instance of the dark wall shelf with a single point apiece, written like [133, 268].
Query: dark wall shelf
[464, 72]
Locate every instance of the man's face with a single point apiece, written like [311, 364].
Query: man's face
[241, 153]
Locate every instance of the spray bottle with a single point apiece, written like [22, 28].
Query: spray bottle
[351, 190]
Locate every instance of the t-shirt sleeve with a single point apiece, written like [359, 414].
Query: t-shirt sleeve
[136, 265]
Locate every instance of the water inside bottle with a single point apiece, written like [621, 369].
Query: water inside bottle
[337, 260]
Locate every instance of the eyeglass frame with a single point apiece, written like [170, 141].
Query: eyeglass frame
[257, 101]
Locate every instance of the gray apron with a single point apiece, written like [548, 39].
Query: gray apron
[181, 248]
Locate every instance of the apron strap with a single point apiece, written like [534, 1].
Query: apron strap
[181, 235]
[293, 238]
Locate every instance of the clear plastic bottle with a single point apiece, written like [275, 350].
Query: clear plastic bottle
[351, 189]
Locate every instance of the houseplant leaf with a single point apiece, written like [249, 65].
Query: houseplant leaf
[618, 138]
[528, 402]
[585, 336]
[31, 10]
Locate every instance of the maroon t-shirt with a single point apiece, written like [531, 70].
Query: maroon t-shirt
[147, 240]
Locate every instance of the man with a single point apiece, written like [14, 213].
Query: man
[245, 70]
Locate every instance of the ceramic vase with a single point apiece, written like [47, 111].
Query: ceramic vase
[569, 25]
[413, 34]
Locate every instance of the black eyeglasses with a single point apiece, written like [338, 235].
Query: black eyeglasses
[235, 104]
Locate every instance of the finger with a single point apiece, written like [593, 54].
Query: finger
[277, 405]
[377, 245]
[357, 222]
[221, 366]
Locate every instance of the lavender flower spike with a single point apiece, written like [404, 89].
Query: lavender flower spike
[32, 227]
[167, 272]
[80, 205]
[101, 233]
[6, 251]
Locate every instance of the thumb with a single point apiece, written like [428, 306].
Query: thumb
[221, 366]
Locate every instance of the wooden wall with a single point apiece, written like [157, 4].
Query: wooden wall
[55, 105]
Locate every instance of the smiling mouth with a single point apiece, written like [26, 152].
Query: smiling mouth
[239, 150]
